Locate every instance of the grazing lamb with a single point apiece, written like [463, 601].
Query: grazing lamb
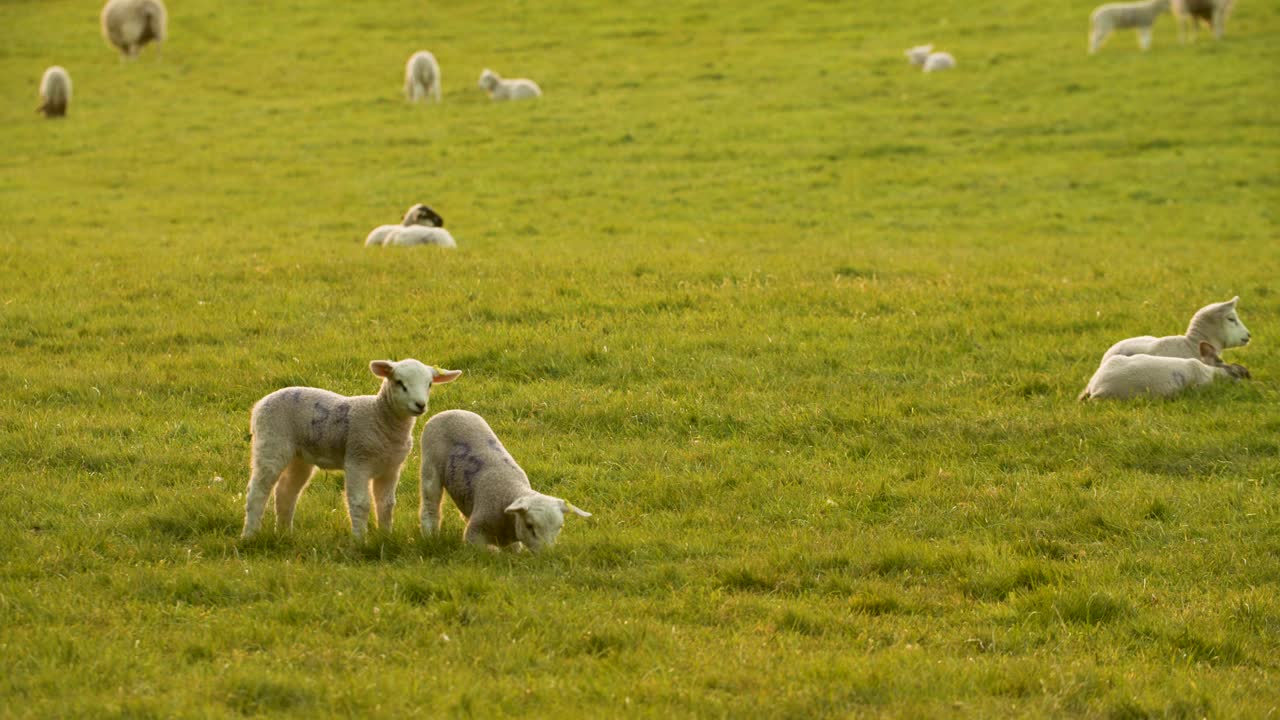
[1189, 13]
[417, 215]
[461, 454]
[130, 24]
[1217, 324]
[517, 89]
[55, 92]
[1121, 16]
[367, 437]
[1122, 376]
[918, 54]
[422, 77]
[939, 61]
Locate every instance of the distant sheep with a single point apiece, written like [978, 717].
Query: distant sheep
[499, 89]
[417, 215]
[918, 54]
[368, 437]
[1124, 376]
[422, 77]
[129, 24]
[462, 455]
[1189, 13]
[1217, 324]
[1121, 16]
[55, 92]
[419, 235]
[939, 61]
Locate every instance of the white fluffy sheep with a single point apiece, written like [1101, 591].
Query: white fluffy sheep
[55, 92]
[129, 24]
[417, 215]
[419, 235]
[1189, 13]
[368, 437]
[1121, 16]
[1217, 324]
[916, 55]
[499, 89]
[422, 77]
[462, 455]
[939, 61]
[1126, 376]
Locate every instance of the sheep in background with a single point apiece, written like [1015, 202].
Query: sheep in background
[1124, 376]
[417, 215]
[368, 437]
[918, 54]
[419, 235]
[1189, 13]
[939, 61]
[1217, 324]
[130, 24]
[499, 89]
[422, 77]
[1120, 16]
[462, 455]
[55, 92]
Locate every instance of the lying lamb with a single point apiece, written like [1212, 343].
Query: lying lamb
[1122, 376]
[420, 235]
[417, 215]
[517, 89]
[939, 61]
[1120, 16]
[422, 77]
[461, 454]
[129, 24]
[918, 54]
[1188, 14]
[55, 92]
[1217, 324]
[368, 437]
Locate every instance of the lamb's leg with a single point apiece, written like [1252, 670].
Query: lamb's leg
[1144, 38]
[430, 497]
[267, 466]
[1096, 38]
[357, 487]
[474, 536]
[384, 497]
[292, 483]
[1219, 21]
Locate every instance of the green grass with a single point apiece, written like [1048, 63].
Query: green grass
[801, 326]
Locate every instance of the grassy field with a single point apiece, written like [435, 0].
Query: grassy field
[801, 326]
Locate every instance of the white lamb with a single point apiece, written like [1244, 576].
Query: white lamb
[918, 54]
[417, 215]
[1217, 324]
[939, 61]
[461, 454]
[55, 92]
[130, 24]
[419, 235]
[1124, 376]
[422, 77]
[1189, 13]
[517, 89]
[368, 437]
[1120, 16]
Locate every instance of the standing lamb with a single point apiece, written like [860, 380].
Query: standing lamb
[1123, 376]
[422, 77]
[130, 24]
[461, 454]
[917, 55]
[55, 92]
[517, 89]
[1121, 16]
[939, 61]
[1217, 324]
[1189, 13]
[368, 437]
[417, 215]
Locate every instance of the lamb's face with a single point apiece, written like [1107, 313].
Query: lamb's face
[423, 215]
[539, 518]
[409, 382]
[1235, 333]
[488, 80]
[1222, 320]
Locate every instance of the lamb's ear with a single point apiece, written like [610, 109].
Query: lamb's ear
[1208, 353]
[382, 368]
[520, 506]
[440, 375]
[566, 505]
[1232, 302]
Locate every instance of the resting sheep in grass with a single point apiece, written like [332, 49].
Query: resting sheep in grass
[55, 92]
[1123, 376]
[918, 54]
[939, 61]
[417, 215]
[461, 454]
[422, 77]
[420, 235]
[130, 24]
[499, 89]
[1217, 324]
[1189, 13]
[368, 437]
[1122, 16]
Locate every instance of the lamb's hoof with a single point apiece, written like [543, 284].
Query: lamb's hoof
[1239, 372]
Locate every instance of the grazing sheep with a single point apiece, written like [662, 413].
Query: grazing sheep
[130, 24]
[55, 92]
[422, 77]
[417, 215]
[1217, 324]
[368, 437]
[1126, 376]
[918, 54]
[461, 454]
[939, 61]
[1189, 13]
[1120, 16]
[517, 89]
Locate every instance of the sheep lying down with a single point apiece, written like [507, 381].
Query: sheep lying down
[1128, 376]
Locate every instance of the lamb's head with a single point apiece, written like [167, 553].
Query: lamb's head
[1220, 324]
[423, 215]
[406, 384]
[489, 79]
[538, 519]
[918, 53]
